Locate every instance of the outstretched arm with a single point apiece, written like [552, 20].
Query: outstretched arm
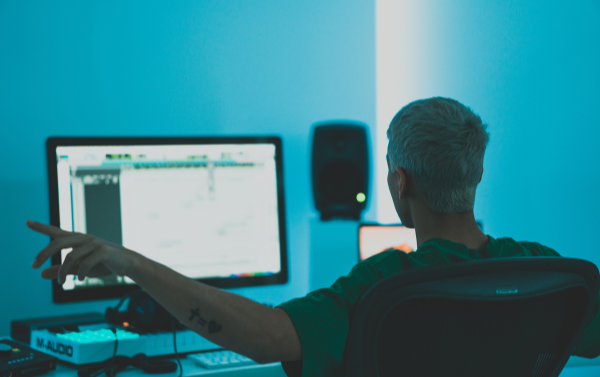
[234, 322]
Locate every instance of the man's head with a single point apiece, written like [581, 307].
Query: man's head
[437, 145]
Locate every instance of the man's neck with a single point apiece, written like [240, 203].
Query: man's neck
[456, 227]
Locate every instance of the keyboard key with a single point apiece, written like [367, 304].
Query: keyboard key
[220, 359]
[102, 335]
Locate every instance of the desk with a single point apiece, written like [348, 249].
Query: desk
[581, 371]
[581, 367]
[576, 367]
[189, 369]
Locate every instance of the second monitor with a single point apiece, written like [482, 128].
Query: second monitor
[375, 238]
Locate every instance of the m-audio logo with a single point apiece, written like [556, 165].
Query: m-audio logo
[55, 347]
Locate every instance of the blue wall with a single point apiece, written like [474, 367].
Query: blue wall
[531, 69]
[163, 68]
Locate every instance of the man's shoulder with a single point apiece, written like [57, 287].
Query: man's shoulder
[509, 247]
[386, 262]
[381, 257]
[497, 247]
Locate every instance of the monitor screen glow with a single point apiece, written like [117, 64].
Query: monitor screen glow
[376, 238]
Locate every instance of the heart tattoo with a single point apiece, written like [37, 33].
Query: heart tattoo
[214, 327]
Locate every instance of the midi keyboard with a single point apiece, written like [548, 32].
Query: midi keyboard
[96, 343]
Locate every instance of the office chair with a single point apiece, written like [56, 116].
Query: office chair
[496, 317]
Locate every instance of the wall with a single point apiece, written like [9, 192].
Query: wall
[214, 67]
[531, 71]
[176, 68]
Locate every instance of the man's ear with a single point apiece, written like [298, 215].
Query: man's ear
[402, 183]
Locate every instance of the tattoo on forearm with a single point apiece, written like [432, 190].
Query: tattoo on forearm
[213, 326]
[196, 313]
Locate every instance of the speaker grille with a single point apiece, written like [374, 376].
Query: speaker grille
[340, 169]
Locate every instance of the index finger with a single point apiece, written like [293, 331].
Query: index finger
[48, 230]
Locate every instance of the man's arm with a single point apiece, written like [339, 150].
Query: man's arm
[234, 322]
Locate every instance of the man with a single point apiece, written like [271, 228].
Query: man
[435, 160]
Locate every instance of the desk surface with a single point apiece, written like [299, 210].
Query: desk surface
[581, 371]
[191, 369]
[577, 367]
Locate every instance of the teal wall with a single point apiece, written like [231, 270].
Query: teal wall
[170, 68]
[531, 69]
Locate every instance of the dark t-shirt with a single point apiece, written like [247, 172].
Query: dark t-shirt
[322, 318]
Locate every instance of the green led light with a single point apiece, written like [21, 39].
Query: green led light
[360, 197]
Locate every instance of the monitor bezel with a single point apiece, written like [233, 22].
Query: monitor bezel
[103, 293]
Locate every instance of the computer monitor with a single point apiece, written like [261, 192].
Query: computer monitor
[209, 208]
[375, 238]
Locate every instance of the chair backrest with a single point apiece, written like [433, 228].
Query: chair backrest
[496, 317]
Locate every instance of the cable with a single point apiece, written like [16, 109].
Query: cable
[112, 366]
[108, 366]
[114, 330]
[175, 345]
[115, 364]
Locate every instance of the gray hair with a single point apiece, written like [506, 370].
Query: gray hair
[440, 143]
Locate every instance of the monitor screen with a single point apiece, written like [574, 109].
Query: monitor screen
[209, 208]
[375, 238]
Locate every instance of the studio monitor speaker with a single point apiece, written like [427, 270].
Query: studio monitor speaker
[340, 169]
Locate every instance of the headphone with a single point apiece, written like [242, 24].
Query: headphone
[143, 313]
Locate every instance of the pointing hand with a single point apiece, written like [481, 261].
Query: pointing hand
[90, 256]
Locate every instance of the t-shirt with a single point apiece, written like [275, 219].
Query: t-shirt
[322, 318]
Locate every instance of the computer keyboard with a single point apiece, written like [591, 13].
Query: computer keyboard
[220, 359]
